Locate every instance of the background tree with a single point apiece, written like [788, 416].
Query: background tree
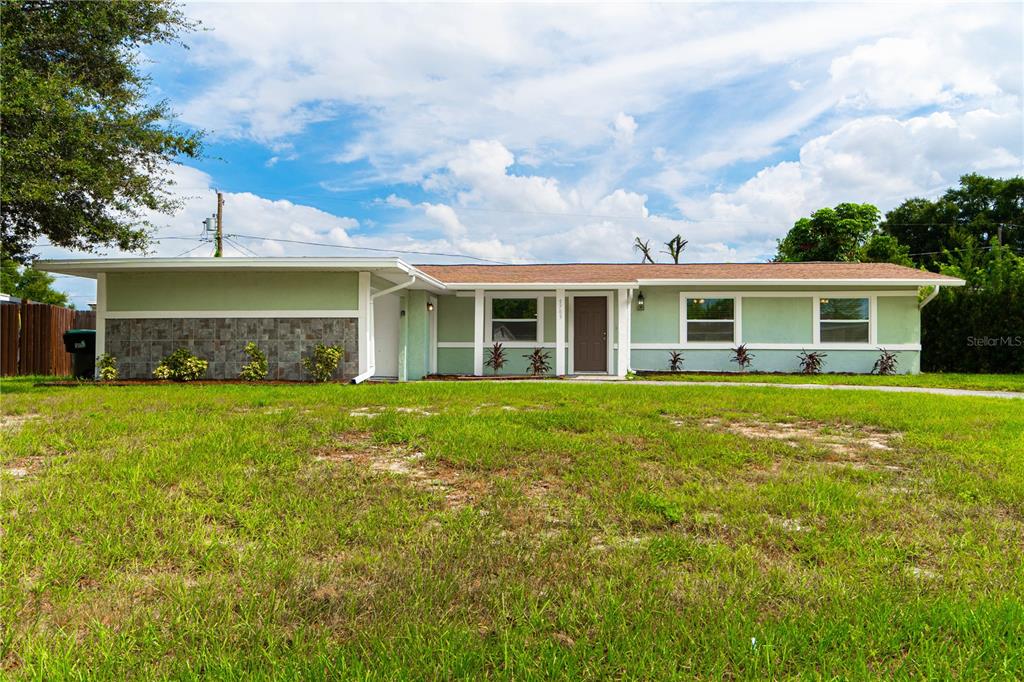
[830, 234]
[644, 247]
[24, 282]
[85, 154]
[675, 248]
[977, 327]
[980, 207]
[884, 248]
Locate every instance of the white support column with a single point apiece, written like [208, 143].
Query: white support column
[478, 333]
[365, 323]
[432, 367]
[560, 332]
[622, 364]
[873, 320]
[101, 317]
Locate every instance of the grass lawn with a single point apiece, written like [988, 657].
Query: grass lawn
[978, 382]
[466, 530]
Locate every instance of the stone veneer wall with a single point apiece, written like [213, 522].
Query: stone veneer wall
[140, 344]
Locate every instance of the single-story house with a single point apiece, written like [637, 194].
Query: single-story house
[402, 321]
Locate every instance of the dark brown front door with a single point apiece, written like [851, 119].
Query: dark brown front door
[590, 334]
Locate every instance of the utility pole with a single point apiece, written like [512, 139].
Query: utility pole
[219, 252]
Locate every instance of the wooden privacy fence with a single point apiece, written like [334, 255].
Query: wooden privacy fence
[32, 337]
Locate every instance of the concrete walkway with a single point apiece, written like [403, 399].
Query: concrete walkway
[825, 387]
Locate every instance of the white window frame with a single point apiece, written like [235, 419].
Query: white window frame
[872, 320]
[488, 318]
[737, 321]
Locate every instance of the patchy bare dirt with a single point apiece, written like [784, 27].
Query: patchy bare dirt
[457, 488]
[10, 423]
[841, 439]
[377, 411]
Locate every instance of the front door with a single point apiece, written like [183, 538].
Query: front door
[590, 334]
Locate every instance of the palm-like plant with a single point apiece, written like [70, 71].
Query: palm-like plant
[675, 361]
[675, 247]
[496, 357]
[644, 247]
[742, 357]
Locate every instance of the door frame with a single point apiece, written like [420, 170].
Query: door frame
[571, 323]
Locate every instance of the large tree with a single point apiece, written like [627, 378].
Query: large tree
[981, 207]
[831, 234]
[85, 152]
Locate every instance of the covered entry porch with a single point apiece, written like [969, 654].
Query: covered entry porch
[581, 330]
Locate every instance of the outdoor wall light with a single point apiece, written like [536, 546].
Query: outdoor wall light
[430, 306]
[640, 300]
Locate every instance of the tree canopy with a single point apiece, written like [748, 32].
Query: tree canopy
[24, 282]
[980, 208]
[830, 234]
[85, 153]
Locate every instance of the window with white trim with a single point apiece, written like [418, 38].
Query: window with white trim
[710, 320]
[844, 320]
[514, 319]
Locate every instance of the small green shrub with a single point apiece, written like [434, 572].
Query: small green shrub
[323, 362]
[108, 367]
[181, 365]
[256, 369]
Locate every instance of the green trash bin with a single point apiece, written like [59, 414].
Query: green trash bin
[81, 343]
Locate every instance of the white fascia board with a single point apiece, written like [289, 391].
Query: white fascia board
[90, 267]
[535, 286]
[801, 282]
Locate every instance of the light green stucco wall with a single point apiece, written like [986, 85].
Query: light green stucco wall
[899, 320]
[658, 322]
[550, 328]
[455, 319]
[777, 320]
[155, 291]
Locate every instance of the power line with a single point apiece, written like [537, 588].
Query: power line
[185, 253]
[369, 248]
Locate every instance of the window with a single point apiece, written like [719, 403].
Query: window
[844, 320]
[710, 319]
[514, 319]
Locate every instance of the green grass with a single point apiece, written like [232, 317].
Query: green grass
[547, 530]
[978, 382]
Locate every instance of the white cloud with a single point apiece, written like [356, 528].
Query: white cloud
[880, 160]
[624, 128]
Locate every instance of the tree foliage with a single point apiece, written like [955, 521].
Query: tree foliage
[980, 207]
[27, 283]
[978, 327]
[675, 247]
[85, 152]
[830, 234]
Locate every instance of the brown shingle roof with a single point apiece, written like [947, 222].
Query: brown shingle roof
[592, 273]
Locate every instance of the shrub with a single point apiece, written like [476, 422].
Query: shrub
[675, 361]
[810, 363]
[256, 368]
[181, 365]
[108, 367]
[886, 363]
[496, 357]
[742, 357]
[539, 362]
[323, 362]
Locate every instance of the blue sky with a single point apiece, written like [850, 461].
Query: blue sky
[526, 133]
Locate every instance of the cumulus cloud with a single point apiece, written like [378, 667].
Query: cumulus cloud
[881, 160]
